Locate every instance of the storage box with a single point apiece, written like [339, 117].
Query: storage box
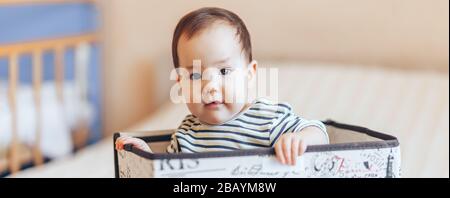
[353, 152]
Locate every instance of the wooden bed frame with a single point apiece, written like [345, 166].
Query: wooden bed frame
[36, 48]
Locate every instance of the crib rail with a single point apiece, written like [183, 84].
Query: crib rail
[36, 48]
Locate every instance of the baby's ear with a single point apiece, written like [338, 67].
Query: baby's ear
[178, 78]
[251, 70]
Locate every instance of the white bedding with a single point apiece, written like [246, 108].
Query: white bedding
[57, 118]
[412, 105]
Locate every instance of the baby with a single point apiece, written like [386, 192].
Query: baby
[220, 43]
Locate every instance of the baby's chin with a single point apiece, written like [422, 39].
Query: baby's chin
[217, 115]
[214, 119]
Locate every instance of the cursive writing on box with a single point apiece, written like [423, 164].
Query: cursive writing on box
[257, 170]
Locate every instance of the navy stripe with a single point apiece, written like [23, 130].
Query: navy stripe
[185, 130]
[279, 104]
[192, 121]
[185, 125]
[207, 146]
[286, 116]
[283, 105]
[189, 125]
[224, 139]
[178, 146]
[239, 126]
[188, 149]
[266, 110]
[282, 131]
[295, 123]
[257, 124]
[230, 132]
[284, 126]
[259, 117]
[279, 133]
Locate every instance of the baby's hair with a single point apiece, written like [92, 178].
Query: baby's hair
[200, 19]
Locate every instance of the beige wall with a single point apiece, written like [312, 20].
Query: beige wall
[390, 33]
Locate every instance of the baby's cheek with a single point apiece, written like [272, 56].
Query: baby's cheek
[228, 94]
[195, 108]
[232, 91]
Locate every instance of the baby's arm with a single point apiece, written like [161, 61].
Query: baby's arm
[136, 142]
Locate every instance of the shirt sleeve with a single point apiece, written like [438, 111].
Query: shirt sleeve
[173, 147]
[186, 124]
[290, 123]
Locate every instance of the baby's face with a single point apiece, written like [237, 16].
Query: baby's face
[208, 89]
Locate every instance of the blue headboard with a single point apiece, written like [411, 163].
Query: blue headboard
[23, 22]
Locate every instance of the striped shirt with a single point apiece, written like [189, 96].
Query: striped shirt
[259, 126]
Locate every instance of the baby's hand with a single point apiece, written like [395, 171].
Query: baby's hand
[288, 147]
[131, 140]
[291, 145]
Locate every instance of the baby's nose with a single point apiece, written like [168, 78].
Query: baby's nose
[211, 88]
[211, 95]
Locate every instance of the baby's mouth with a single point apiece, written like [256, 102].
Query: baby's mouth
[213, 105]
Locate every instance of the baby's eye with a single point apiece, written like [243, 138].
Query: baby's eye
[195, 76]
[225, 71]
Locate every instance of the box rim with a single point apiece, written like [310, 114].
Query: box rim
[388, 141]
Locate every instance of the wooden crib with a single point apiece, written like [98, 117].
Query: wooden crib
[36, 48]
